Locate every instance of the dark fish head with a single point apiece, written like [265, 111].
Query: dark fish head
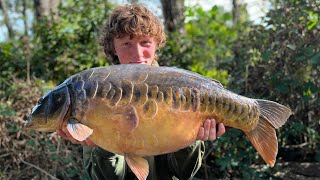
[50, 110]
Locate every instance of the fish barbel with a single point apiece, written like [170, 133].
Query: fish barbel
[141, 110]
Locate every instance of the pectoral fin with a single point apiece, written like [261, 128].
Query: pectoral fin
[138, 165]
[127, 117]
[78, 131]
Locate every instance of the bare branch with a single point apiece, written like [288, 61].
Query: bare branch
[38, 168]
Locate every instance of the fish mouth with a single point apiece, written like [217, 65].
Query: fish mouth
[28, 122]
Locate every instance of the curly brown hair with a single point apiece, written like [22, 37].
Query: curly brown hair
[132, 20]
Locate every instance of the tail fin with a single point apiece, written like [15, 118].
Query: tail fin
[263, 137]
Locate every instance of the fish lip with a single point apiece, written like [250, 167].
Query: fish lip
[28, 122]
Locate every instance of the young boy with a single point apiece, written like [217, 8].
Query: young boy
[131, 36]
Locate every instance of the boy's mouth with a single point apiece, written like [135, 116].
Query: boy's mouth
[138, 62]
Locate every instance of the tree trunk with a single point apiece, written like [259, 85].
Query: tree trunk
[3, 7]
[25, 40]
[134, 1]
[235, 11]
[173, 15]
[25, 18]
[46, 8]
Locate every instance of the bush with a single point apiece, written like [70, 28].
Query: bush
[31, 154]
[280, 61]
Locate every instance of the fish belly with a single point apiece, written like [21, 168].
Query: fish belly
[168, 131]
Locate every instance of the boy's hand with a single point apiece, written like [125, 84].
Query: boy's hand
[209, 130]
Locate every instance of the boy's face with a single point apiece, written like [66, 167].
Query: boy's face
[135, 49]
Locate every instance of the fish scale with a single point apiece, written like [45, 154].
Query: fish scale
[141, 110]
[173, 95]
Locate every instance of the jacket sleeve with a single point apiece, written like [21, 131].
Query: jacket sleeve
[185, 163]
[100, 164]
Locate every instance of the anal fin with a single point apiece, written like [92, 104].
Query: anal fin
[264, 139]
[78, 131]
[138, 165]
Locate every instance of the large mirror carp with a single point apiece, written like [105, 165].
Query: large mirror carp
[142, 110]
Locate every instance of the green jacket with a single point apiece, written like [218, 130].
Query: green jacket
[182, 165]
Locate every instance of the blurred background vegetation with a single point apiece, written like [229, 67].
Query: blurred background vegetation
[277, 59]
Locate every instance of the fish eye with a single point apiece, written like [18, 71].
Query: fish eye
[40, 101]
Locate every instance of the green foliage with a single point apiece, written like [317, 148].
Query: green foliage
[69, 44]
[221, 75]
[11, 64]
[58, 49]
[206, 42]
[280, 61]
[6, 111]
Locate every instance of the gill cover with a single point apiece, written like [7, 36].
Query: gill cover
[50, 109]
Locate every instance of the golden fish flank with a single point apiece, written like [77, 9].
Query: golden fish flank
[140, 110]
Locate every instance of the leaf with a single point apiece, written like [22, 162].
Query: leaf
[291, 46]
[309, 86]
[317, 156]
[6, 111]
[316, 59]
[266, 55]
[312, 20]
[12, 128]
[54, 156]
[283, 88]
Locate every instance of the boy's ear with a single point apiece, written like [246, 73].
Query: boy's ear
[114, 50]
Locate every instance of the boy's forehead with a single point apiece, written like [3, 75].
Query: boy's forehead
[133, 36]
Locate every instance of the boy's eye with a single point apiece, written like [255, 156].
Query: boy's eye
[126, 44]
[145, 42]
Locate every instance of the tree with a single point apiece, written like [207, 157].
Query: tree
[173, 15]
[25, 39]
[134, 1]
[235, 11]
[46, 8]
[7, 22]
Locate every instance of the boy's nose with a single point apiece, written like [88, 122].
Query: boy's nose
[138, 51]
